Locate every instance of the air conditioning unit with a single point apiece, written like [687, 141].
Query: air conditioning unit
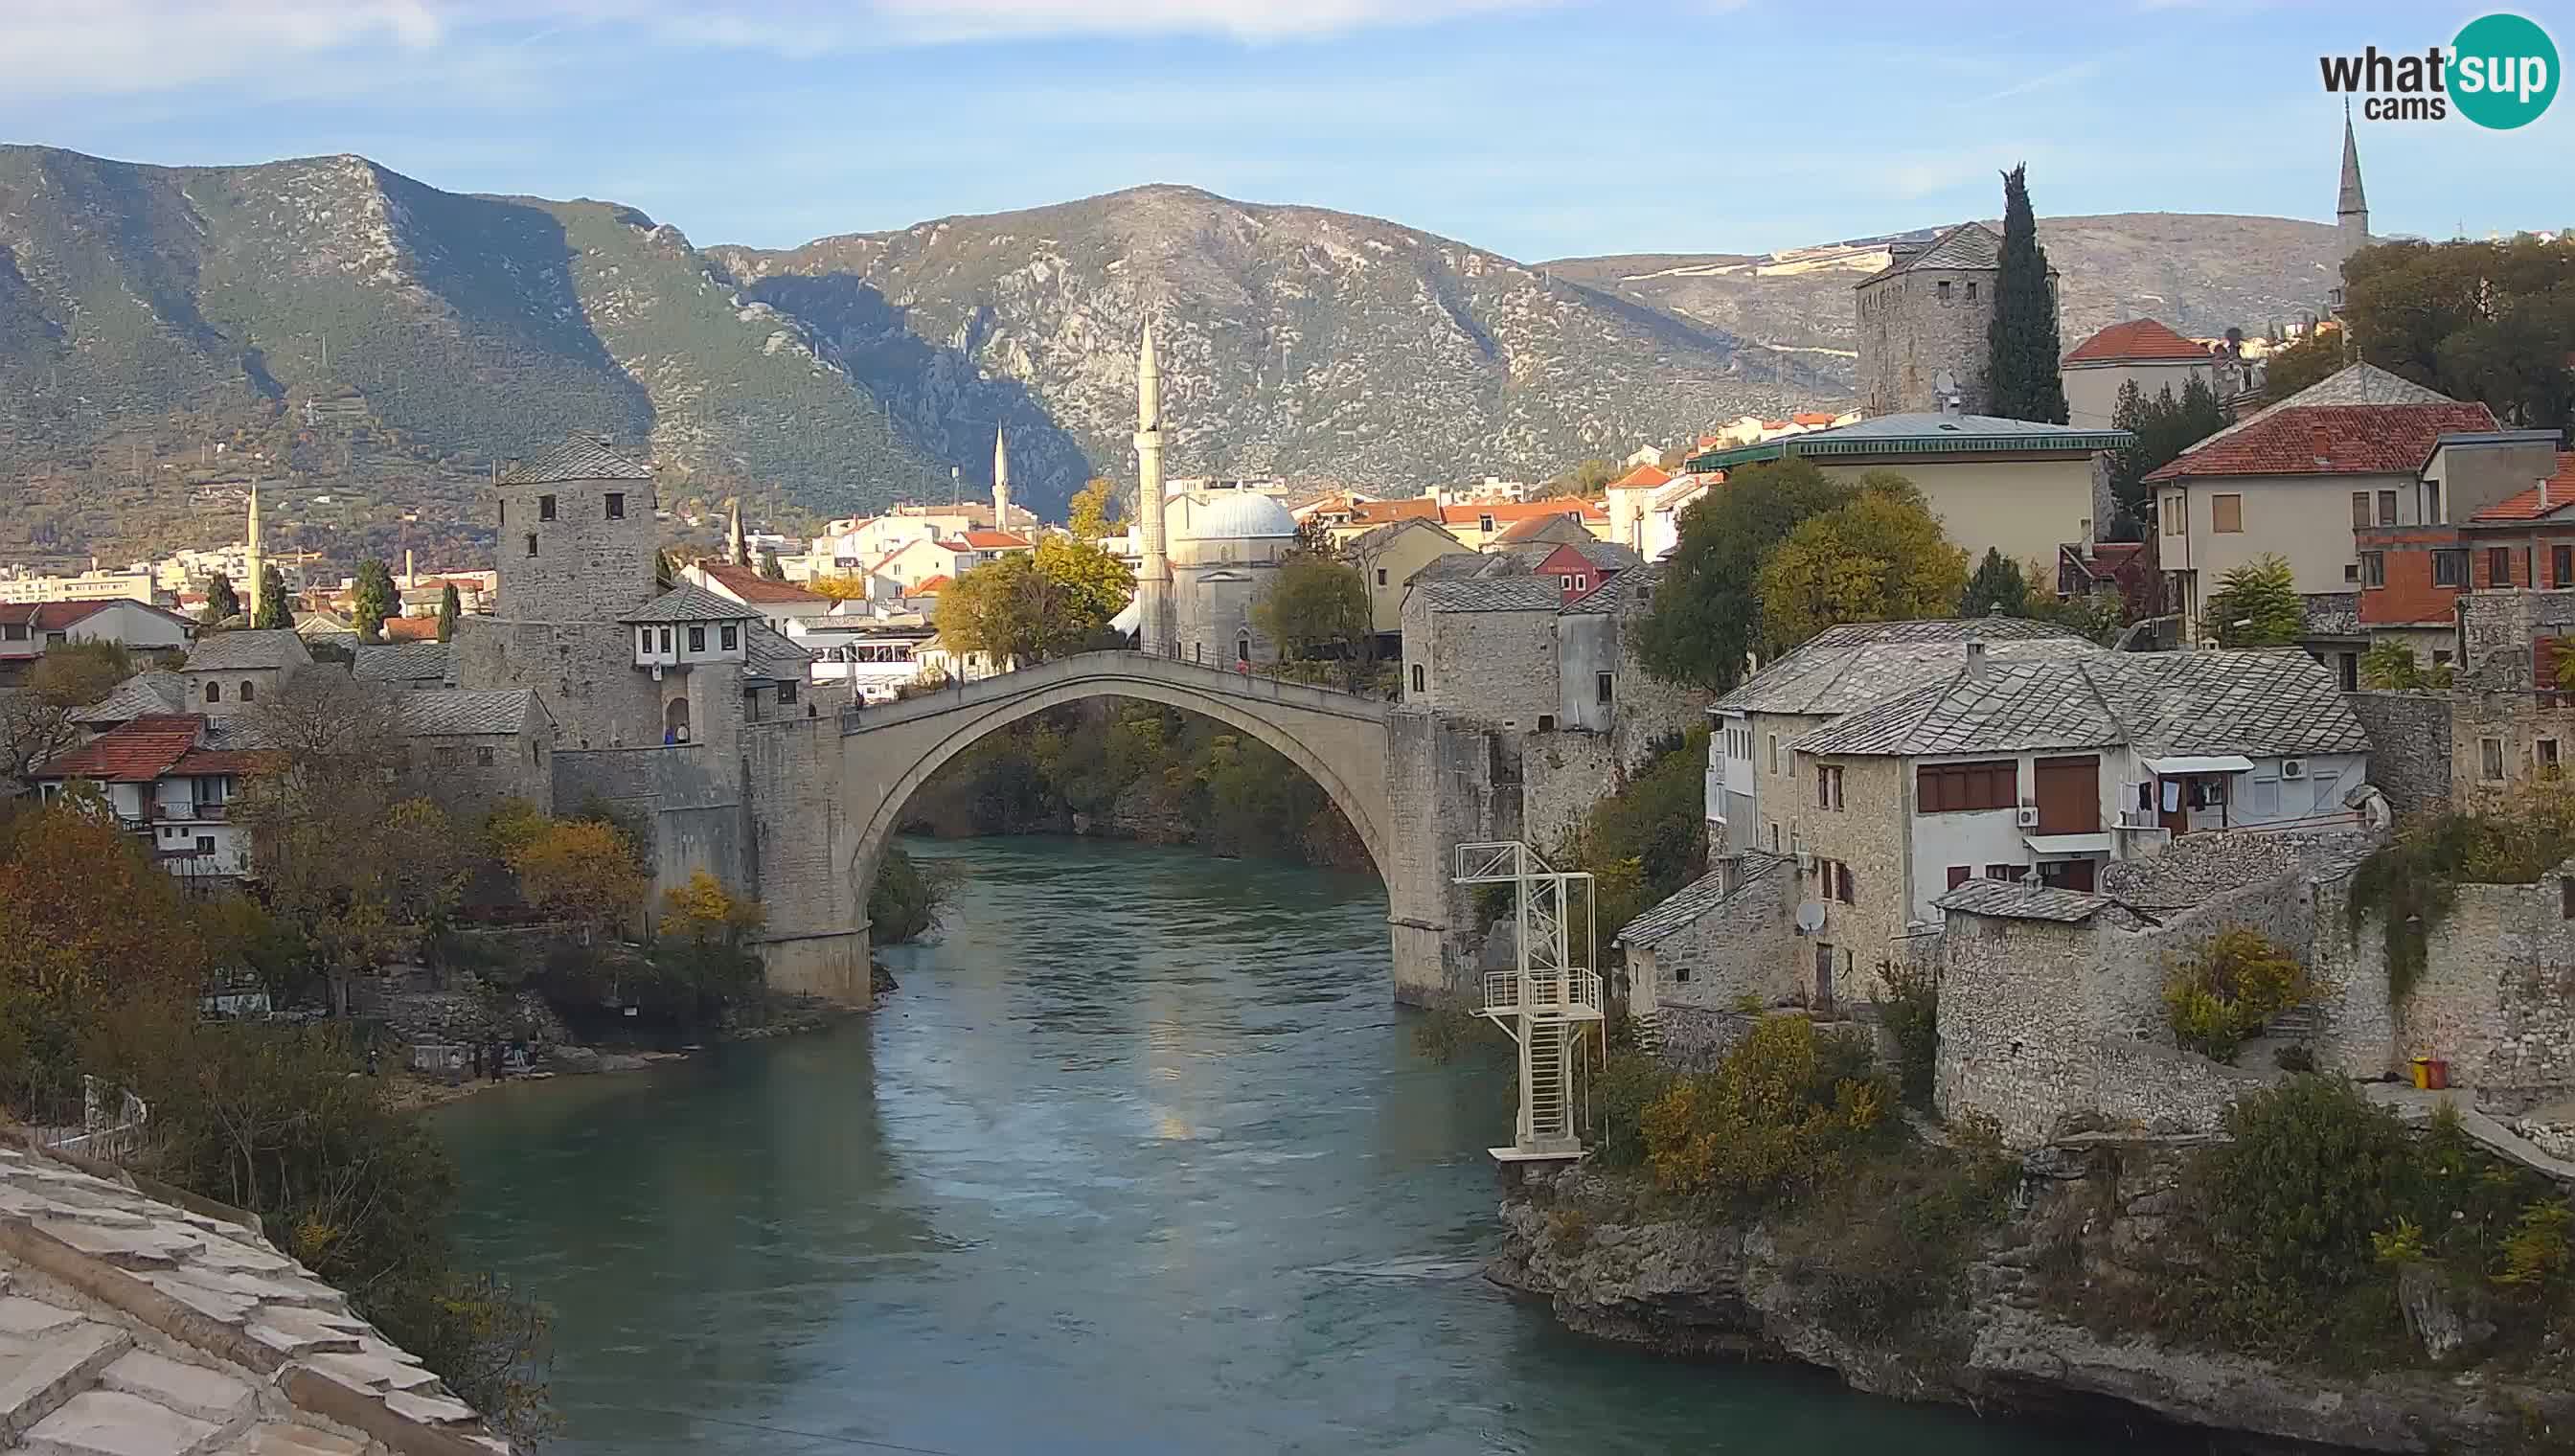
[2029, 817]
[2293, 768]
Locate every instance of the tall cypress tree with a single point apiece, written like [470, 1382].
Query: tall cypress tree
[2022, 349]
[276, 608]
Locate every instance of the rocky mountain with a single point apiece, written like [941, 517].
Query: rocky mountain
[2202, 273]
[1293, 341]
[166, 332]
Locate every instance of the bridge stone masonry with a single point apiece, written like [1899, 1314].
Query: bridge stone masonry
[825, 797]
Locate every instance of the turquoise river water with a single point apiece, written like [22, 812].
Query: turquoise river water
[1140, 1159]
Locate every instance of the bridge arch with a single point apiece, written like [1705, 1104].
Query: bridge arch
[1338, 740]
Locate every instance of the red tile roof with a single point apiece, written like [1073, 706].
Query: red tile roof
[411, 628]
[1409, 509]
[2328, 440]
[211, 761]
[1517, 511]
[995, 540]
[2538, 501]
[49, 616]
[1646, 476]
[131, 753]
[932, 587]
[1814, 417]
[2136, 339]
[749, 585]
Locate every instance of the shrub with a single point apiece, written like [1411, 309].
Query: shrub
[1778, 1115]
[2230, 990]
[904, 901]
[1910, 1008]
[2412, 882]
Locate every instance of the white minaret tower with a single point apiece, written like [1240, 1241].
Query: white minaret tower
[252, 566]
[1001, 482]
[1153, 575]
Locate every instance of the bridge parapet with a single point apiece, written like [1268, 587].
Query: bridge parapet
[1130, 667]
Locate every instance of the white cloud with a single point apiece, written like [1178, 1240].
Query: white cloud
[119, 47]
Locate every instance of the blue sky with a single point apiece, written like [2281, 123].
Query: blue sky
[1538, 129]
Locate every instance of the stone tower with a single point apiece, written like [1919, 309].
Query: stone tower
[578, 540]
[2351, 207]
[1153, 573]
[1924, 322]
[253, 565]
[1001, 482]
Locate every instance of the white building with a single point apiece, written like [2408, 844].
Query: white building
[167, 786]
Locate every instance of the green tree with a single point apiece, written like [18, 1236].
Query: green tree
[449, 607]
[375, 599]
[1707, 619]
[1098, 582]
[905, 900]
[1585, 478]
[2022, 346]
[2391, 665]
[1315, 608]
[1011, 610]
[2164, 427]
[2301, 366]
[1997, 585]
[770, 570]
[1880, 557]
[222, 603]
[275, 608]
[1094, 511]
[2492, 320]
[2257, 606]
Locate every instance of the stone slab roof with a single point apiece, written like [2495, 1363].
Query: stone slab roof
[1501, 560]
[577, 458]
[776, 658]
[468, 711]
[2257, 703]
[147, 694]
[134, 1323]
[689, 601]
[410, 662]
[1846, 667]
[233, 651]
[1621, 587]
[1696, 898]
[1966, 245]
[2011, 902]
[1492, 594]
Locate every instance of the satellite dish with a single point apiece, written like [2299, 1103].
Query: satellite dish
[1945, 383]
[1810, 918]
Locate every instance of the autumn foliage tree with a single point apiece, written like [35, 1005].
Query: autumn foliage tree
[582, 871]
[1706, 621]
[1029, 607]
[1881, 557]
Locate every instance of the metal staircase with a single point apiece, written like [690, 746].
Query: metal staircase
[1549, 1002]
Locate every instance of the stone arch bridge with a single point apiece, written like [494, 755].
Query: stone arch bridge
[837, 798]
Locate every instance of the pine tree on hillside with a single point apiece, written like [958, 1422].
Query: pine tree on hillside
[2022, 348]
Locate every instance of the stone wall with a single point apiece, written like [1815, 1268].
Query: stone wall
[1648, 709]
[1488, 666]
[801, 848]
[469, 775]
[1449, 783]
[2496, 998]
[585, 565]
[2496, 629]
[1908, 334]
[1870, 833]
[2518, 723]
[584, 672]
[1742, 949]
[1563, 774]
[687, 798]
[2409, 747]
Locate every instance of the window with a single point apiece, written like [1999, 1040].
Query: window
[2351, 571]
[1774, 752]
[643, 638]
[1828, 786]
[1951, 788]
[1421, 674]
[786, 693]
[696, 639]
[732, 637]
[2449, 569]
[505, 513]
[1848, 888]
[2431, 503]
[1381, 575]
[2491, 760]
[2226, 513]
[14, 631]
[214, 692]
[2373, 569]
[1483, 523]
[1604, 685]
[2544, 754]
[1547, 722]
[1582, 582]
[666, 639]
[444, 755]
[1945, 290]
[2359, 508]
[1971, 290]
[2002, 871]
[1565, 584]
[532, 542]
[545, 508]
[2499, 566]
[2387, 508]
[617, 505]
[2172, 513]
[249, 690]
[205, 843]
[1960, 874]
[2561, 565]
[483, 755]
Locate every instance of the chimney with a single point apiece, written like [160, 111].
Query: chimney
[2324, 445]
[1976, 657]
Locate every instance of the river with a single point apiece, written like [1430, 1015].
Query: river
[1141, 1159]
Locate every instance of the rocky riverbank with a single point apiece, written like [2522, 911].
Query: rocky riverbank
[2031, 1322]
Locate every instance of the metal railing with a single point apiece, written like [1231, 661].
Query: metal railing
[1572, 993]
[110, 1128]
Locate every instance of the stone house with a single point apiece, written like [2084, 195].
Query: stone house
[471, 749]
[409, 665]
[1387, 557]
[227, 670]
[2021, 488]
[1484, 648]
[1725, 941]
[2350, 448]
[1924, 322]
[2142, 352]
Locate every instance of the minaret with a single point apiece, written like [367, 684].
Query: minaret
[737, 546]
[2351, 209]
[1001, 482]
[252, 566]
[1153, 575]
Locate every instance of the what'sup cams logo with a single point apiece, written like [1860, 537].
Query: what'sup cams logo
[2501, 73]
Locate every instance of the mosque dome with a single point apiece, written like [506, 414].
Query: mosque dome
[1238, 516]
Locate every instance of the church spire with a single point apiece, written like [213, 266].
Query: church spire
[2351, 205]
[1001, 482]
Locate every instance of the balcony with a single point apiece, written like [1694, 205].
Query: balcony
[1569, 995]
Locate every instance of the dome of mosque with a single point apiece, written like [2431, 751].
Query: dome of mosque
[1238, 516]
